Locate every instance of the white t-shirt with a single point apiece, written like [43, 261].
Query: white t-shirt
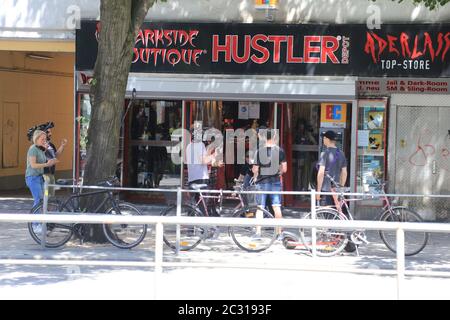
[195, 152]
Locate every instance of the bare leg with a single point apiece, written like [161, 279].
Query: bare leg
[259, 215]
[278, 215]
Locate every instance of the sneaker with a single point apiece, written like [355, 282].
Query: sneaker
[256, 236]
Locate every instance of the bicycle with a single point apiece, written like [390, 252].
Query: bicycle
[331, 242]
[251, 239]
[123, 236]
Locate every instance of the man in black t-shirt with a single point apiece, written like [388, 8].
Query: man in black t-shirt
[332, 161]
[269, 165]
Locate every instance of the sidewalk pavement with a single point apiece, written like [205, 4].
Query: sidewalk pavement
[83, 282]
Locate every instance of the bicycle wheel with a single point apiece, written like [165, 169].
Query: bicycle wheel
[57, 234]
[125, 236]
[329, 242]
[253, 238]
[415, 241]
[190, 236]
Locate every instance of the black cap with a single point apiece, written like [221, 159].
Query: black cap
[330, 134]
[43, 127]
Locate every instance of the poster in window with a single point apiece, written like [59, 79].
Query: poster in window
[375, 141]
[375, 120]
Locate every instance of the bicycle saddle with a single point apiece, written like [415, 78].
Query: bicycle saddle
[197, 186]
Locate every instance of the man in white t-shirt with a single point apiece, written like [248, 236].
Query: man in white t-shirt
[197, 163]
[197, 160]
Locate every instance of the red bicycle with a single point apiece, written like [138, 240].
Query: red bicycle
[330, 242]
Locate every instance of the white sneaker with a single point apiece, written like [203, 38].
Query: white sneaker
[256, 236]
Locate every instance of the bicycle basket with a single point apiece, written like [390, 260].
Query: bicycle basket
[251, 199]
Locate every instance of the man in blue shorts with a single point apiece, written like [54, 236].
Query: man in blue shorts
[269, 165]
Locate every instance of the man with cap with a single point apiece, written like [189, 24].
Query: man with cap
[332, 161]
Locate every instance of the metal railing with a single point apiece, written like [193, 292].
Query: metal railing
[160, 222]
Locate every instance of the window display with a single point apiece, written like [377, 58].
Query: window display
[149, 160]
[371, 151]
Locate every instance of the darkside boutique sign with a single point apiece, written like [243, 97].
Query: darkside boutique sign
[281, 49]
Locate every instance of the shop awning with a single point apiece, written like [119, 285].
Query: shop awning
[242, 89]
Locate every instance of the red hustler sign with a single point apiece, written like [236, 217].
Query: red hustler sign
[262, 48]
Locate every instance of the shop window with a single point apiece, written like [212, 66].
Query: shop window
[371, 141]
[150, 128]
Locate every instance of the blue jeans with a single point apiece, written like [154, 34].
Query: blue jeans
[36, 186]
[274, 198]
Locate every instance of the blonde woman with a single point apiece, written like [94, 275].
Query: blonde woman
[36, 162]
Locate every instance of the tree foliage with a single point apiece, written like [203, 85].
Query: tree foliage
[430, 4]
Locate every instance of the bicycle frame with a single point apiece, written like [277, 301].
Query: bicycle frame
[342, 203]
[70, 203]
[219, 198]
[71, 199]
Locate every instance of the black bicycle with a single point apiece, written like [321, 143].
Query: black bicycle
[123, 236]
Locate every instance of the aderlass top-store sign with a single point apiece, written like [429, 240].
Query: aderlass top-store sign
[281, 49]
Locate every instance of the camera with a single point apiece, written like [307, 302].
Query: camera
[43, 127]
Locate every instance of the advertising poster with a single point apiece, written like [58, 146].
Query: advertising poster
[375, 141]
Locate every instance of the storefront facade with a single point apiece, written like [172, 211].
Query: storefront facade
[300, 79]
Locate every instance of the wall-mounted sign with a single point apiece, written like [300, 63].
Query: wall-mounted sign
[266, 4]
[405, 50]
[333, 115]
[386, 86]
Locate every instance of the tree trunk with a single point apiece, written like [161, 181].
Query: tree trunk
[120, 22]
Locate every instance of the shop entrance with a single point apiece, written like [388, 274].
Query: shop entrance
[229, 115]
[301, 124]
[423, 156]
[148, 142]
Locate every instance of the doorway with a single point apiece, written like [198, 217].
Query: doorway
[301, 124]
[229, 115]
[422, 164]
